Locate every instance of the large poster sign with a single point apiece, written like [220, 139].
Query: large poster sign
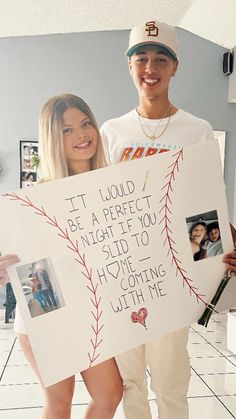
[113, 258]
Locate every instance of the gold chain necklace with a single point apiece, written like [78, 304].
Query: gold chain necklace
[153, 135]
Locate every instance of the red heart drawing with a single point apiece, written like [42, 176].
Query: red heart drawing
[140, 316]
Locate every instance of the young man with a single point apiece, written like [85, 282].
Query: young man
[213, 245]
[155, 126]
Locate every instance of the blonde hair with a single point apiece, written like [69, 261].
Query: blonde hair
[53, 163]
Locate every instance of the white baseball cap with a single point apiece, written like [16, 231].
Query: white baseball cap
[153, 32]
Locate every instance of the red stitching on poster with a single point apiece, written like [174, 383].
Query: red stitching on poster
[166, 221]
[95, 300]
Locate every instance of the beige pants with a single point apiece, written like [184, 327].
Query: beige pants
[169, 366]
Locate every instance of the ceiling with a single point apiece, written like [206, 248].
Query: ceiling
[210, 19]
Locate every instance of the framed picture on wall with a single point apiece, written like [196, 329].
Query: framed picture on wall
[29, 161]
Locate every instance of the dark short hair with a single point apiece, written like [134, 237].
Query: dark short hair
[212, 226]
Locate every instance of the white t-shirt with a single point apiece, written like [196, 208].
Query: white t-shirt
[123, 138]
[42, 282]
[213, 248]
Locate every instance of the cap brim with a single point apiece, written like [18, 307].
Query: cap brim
[131, 50]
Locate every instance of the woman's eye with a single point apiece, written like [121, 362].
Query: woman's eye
[66, 130]
[87, 123]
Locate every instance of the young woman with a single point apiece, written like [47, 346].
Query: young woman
[70, 144]
[196, 235]
[38, 296]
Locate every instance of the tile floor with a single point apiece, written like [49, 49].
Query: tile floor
[212, 392]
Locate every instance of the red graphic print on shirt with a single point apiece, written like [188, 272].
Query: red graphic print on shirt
[131, 153]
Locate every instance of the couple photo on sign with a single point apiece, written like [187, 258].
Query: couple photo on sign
[38, 283]
[204, 235]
